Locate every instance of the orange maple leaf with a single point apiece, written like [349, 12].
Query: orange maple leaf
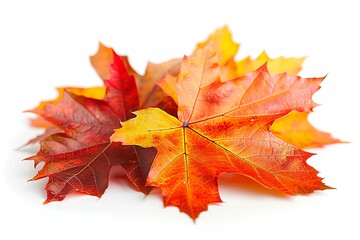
[223, 126]
[308, 136]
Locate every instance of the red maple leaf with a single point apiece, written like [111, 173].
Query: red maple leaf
[80, 157]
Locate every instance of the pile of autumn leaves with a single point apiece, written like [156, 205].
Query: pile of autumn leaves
[181, 125]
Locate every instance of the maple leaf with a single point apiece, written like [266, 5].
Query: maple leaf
[223, 127]
[230, 68]
[80, 157]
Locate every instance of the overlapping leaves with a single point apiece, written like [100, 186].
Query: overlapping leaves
[181, 125]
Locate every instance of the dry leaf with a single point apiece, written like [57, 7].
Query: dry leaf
[223, 127]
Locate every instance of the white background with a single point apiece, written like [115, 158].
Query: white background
[44, 44]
